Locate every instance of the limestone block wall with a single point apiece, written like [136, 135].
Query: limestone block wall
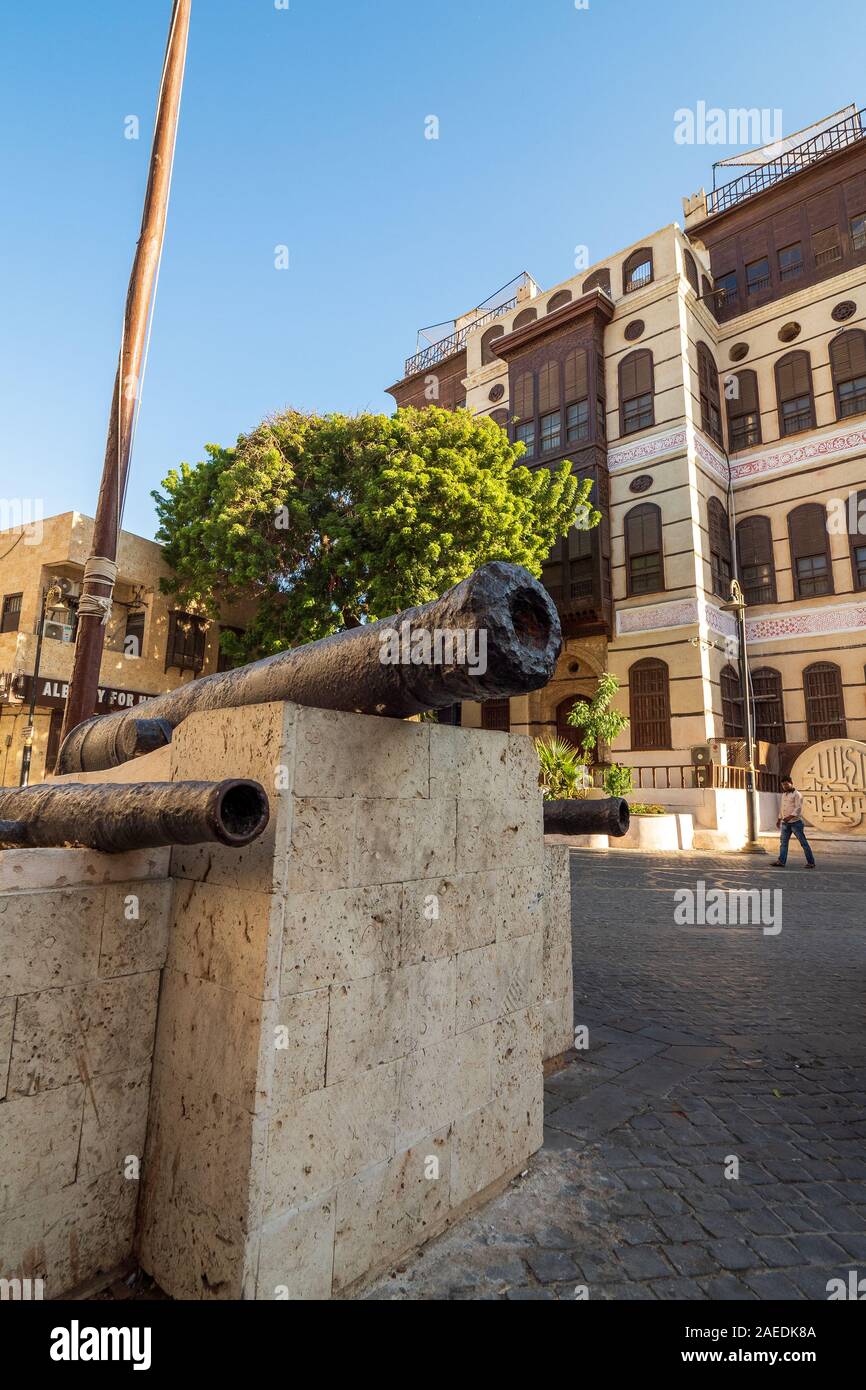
[352, 1019]
[558, 982]
[83, 937]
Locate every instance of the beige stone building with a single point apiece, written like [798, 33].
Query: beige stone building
[150, 645]
[712, 382]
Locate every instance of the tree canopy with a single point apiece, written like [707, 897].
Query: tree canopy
[325, 522]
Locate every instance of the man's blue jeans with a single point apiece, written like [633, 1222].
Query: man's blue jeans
[794, 827]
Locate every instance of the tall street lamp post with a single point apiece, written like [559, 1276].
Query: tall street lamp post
[737, 606]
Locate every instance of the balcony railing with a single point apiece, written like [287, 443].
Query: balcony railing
[436, 349]
[827, 142]
[437, 352]
[683, 777]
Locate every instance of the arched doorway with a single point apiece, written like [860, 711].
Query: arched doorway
[564, 730]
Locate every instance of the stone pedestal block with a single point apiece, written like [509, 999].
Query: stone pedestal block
[353, 1014]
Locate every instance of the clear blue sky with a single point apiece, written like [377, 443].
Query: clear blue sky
[306, 128]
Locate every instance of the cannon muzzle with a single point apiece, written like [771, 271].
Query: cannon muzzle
[610, 817]
[114, 817]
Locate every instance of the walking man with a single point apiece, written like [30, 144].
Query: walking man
[790, 823]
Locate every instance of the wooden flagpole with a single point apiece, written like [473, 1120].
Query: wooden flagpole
[100, 571]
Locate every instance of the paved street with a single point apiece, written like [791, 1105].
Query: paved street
[706, 1044]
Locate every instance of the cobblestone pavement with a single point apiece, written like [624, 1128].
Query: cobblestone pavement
[705, 1042]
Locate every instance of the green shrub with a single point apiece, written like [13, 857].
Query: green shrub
[638, 808]
[563, 775]
[618, 780]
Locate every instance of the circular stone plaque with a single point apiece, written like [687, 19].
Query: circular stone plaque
[634, 329]
[642, 483]
[496, 392]
[844, 310]
[832, 779]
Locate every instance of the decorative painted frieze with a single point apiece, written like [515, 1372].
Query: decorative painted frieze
[848, 617]
[651, 446]
[781, 457]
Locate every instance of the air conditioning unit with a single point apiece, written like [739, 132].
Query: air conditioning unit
[702, 755]
[69, 588]
[59, 632]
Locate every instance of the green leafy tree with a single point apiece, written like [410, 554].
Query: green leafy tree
[597, 722]
[326, 522]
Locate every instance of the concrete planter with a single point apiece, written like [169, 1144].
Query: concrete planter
[674, 832]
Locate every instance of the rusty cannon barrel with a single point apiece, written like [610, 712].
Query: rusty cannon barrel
[495, 634]
[115, 816]
[610, 817]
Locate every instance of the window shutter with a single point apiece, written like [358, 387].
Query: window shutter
[526, 316]
[794, 376]
[754, 541]
[769, 708]
[649, 701]
[808, 529]
[559, 301]
[746, 402]
[548, 387]
[691, 270]
[576, 375]
[848, 355]
[732, 703]
[495, 714]
[636, 375]
[524, 397]
[825, 709]
[825, 240]
[720, 536]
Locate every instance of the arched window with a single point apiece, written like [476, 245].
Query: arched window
[524, 317]
[708, 378]
[598, 280]
[720, 548]
[636, 410]
[691, 268]
[794, 393]
[650, 706]
[644, 550]
[848, 362]
[755, 554]
[558, 300]
[769, 706]
[495, 714]
[487, 341]
[732, 703]
[858, 543]
[825, 706]
[637, 270]
[500, 417]
[744, 411]
[810, 551]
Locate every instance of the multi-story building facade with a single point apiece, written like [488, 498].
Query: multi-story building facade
[150, 645]
[711, 381]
